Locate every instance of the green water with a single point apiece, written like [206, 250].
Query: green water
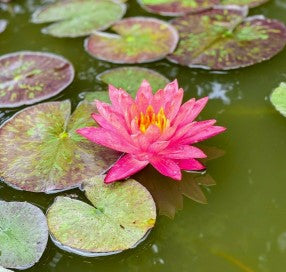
[243, 228]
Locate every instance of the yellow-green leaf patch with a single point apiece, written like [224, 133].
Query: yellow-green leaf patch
[23, 234]
[223, 39]
[74, 18]
[138, 40]
[41, 152]
[29, 77]
[118, 217]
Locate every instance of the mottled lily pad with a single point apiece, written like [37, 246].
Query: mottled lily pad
[41, 152]
[177, 7]
[139, 39]
[222, 39]
[29, 77]
[278, 98]
[121, 216]
[249, 3]
[23, 234]
[3, 25]
[74, 18]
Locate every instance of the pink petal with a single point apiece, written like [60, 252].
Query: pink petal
[120, 99]
[106, 138]
[144, 96]
[125, 167]
[190, 165]
[203, 135]
[167, 167]
[158, 146]
[183, 112]
[172, 107]
[183, 152]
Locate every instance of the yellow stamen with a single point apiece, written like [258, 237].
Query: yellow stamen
[151, 118]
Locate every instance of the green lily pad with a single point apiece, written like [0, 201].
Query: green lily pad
[222, 39]
[23, 234]
[3, 25]
[249, 3]
[177, 7]
[75, 18]
[278, 98]
[29, 77]
[41, 152]
[121, 216]
[139, 39]
[2, 269]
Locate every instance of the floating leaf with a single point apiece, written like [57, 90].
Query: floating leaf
[139, 39]
[249, 3]
[121, 216]
[23, 234]
[177, 7]
[74, 18]
[2, 269]
[101, 95]
[278, 98]
[41, 152]
[29, 77]
[3, 25]
[221, 39]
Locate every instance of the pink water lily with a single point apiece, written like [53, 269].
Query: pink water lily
[155, 129]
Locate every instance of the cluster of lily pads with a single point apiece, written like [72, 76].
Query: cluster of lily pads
[209, 34]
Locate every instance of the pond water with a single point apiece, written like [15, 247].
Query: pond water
[243, 226]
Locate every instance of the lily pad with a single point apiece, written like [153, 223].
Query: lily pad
[3, 25]
[278, 98]
[121, 216]
[222, 39]
[41, 152]
[23, 234]
[29, 77]
[75, 18]
[249, 3]
[177, 7]
[139, 39]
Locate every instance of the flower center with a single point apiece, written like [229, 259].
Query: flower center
[150, 118]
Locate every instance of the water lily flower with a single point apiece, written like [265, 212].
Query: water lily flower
[155, 129]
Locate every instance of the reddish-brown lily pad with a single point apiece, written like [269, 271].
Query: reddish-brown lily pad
[29, 77]
[41, 152]
[177, 7]
[121, 215]
[249, 3]
[3, 25]
[139, 39]
[74, 18]
[222, 39]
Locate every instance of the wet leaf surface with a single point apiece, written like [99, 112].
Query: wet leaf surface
[138, 40]
[41, 152]
[249, 3]
[74, 18]
[223, 39]
[30, 77]
[120, 216]
[23, 234]
[278, 98]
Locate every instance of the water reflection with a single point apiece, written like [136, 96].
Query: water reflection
[168, 194]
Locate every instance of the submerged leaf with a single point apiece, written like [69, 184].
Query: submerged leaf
[74, 18]
[23, 234]
[139, 39]
[3, 25]
[278, 98]
[121, 216]
[41, 152]
[222, 39]
[29, 77]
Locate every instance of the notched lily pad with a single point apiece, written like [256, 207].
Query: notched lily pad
[177, 7]
[222, 39]
[29, 77]
[41, 152]
[139, 39]
[3, 25]
[121, 216]
[74, 18]
[23, 234]
[278, 98]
